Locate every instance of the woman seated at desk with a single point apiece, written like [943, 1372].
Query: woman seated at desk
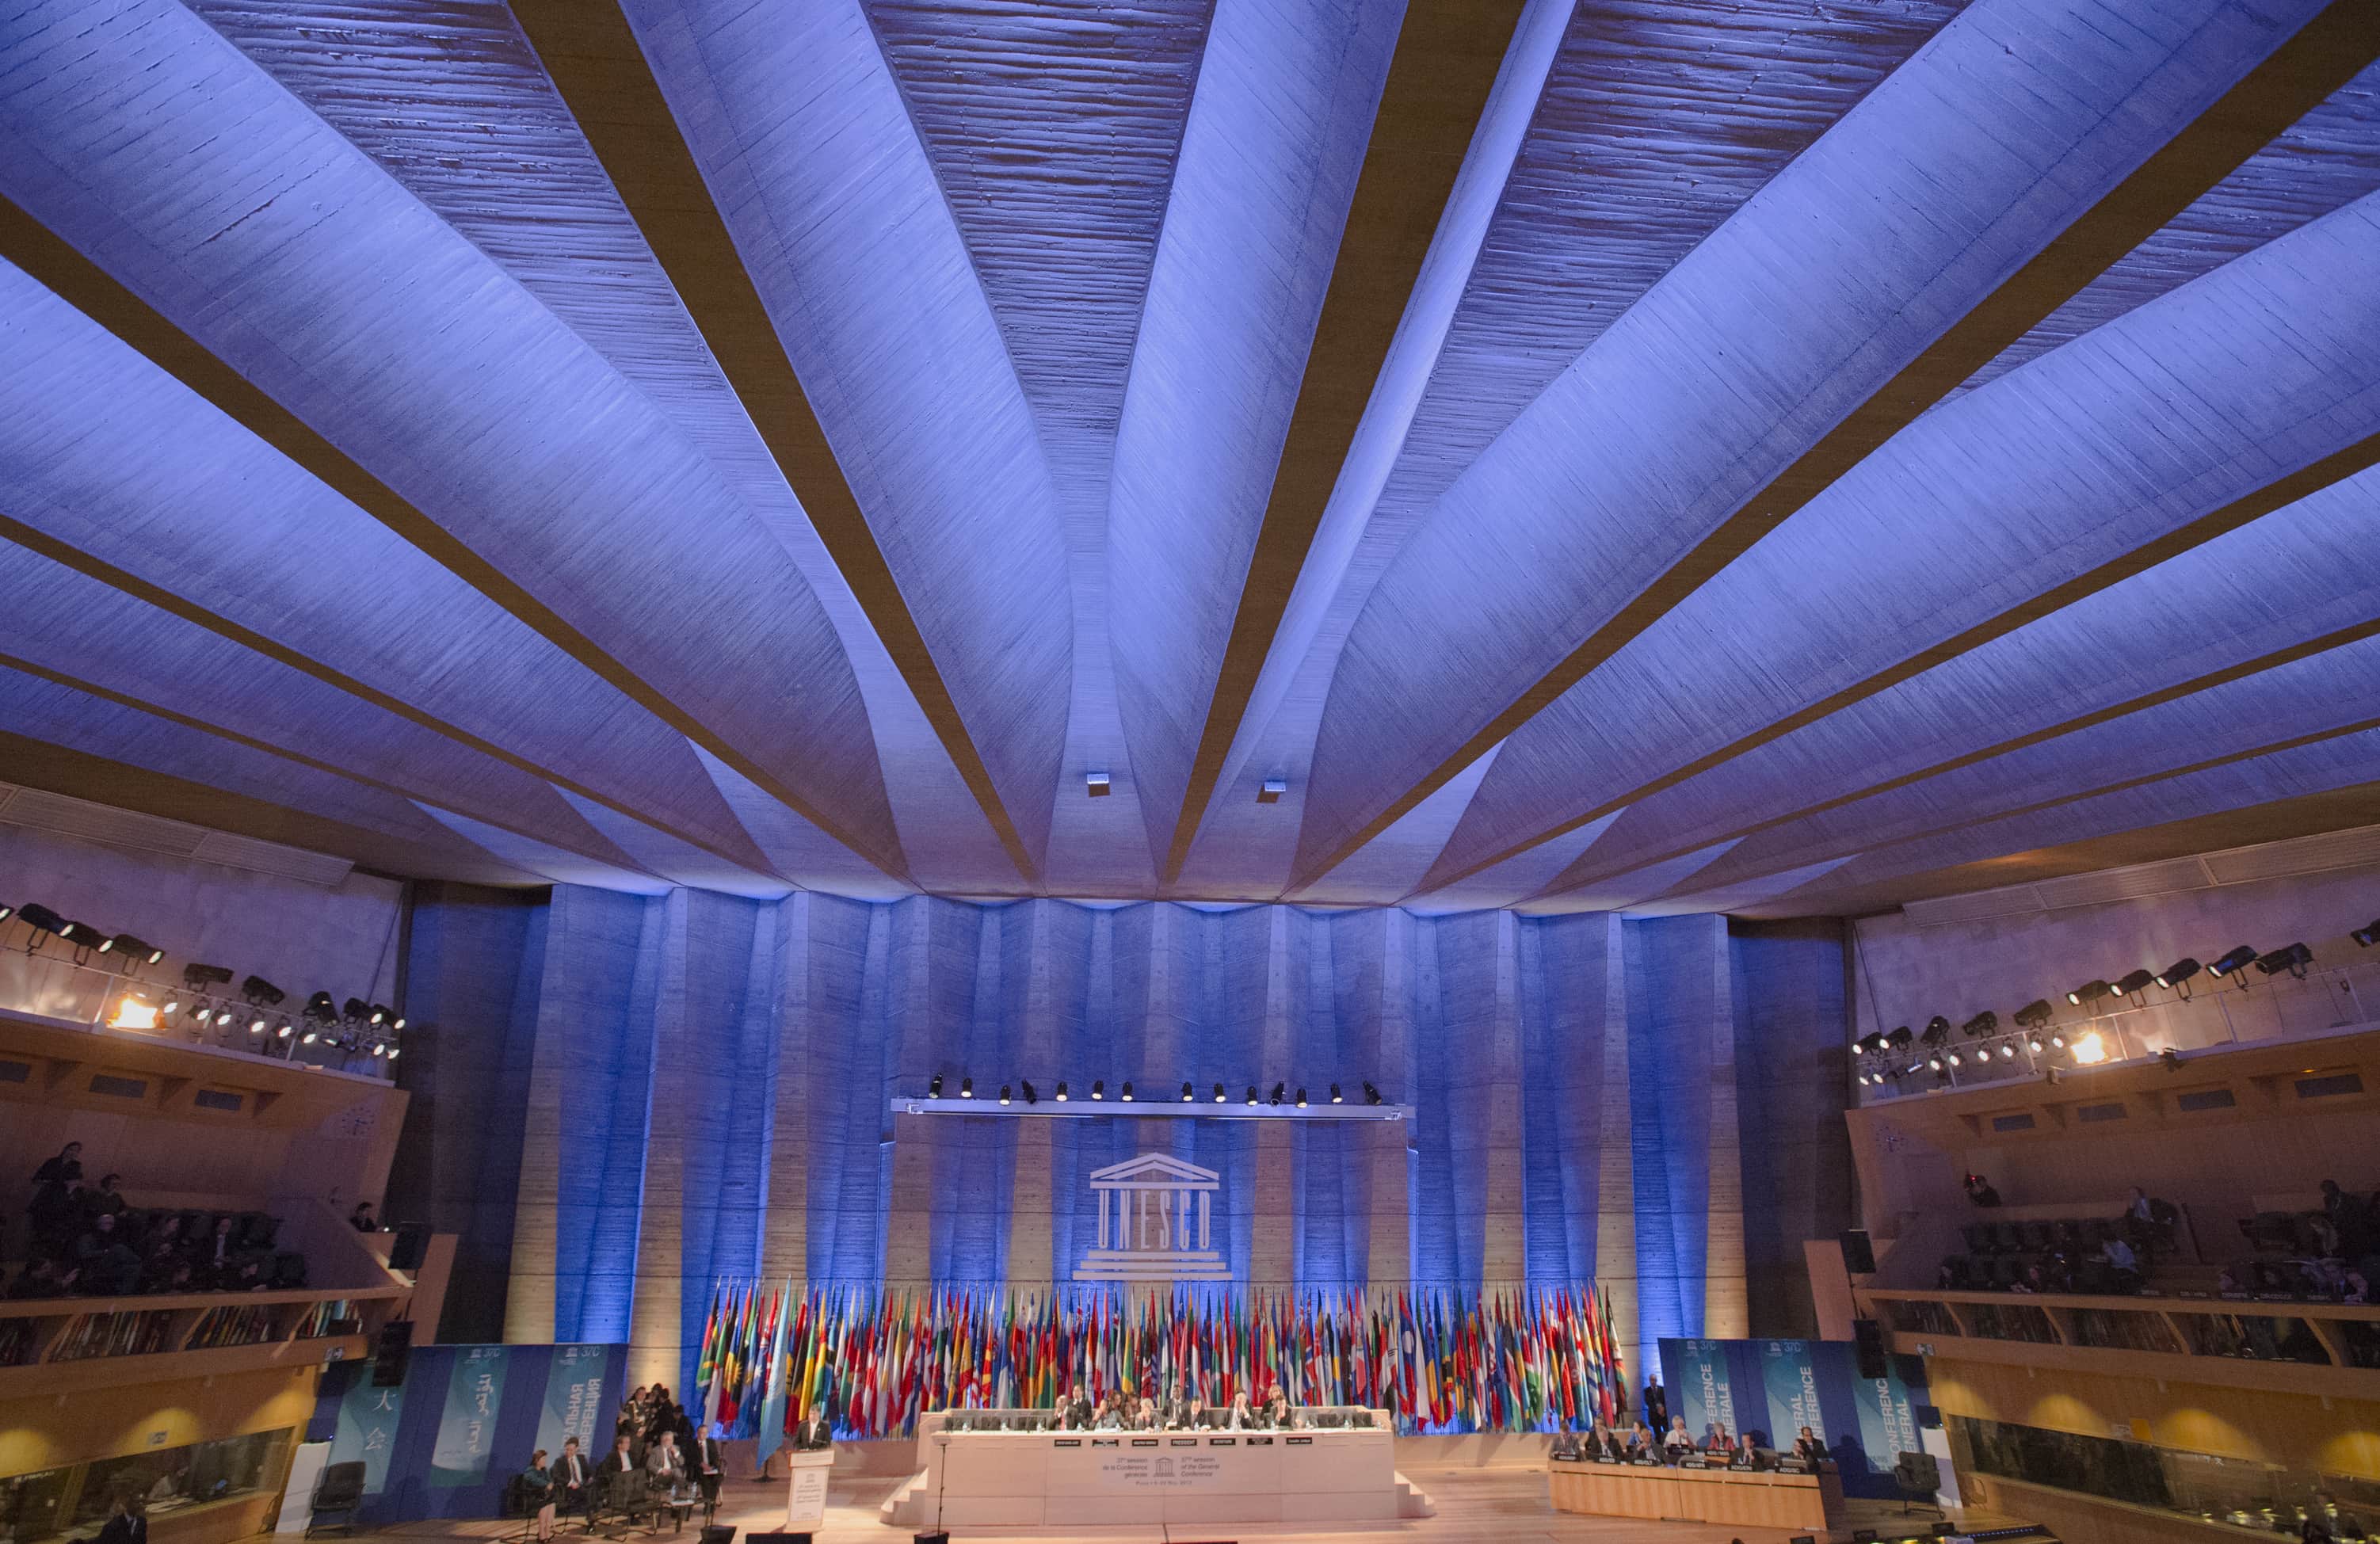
[1277, 1415]
[1144, 1418]
[1642, 1443]
[1111, 1414]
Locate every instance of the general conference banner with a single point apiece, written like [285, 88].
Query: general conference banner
[467, 1432]
[1775, 1388]
[574, 1397]
[368, 1423]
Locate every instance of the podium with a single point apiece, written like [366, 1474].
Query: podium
[806, 1488]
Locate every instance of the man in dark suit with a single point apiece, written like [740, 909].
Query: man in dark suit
[574, 1479]
[1075, 1414]
[816, 1431]
[706, 1461]
[1655, 1408]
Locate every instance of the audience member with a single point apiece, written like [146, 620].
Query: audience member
[573, 1478]
[537, 1495]
[362, 1220]
[1980, 1191]
[109, 1267]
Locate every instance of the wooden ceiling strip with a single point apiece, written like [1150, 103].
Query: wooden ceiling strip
[592, 56]
[1447, 58]
[32, 246]
[2297, 77]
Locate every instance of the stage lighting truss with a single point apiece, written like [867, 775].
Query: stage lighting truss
[1020, 1098]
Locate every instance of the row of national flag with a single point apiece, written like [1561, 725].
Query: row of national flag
[1439, 1359]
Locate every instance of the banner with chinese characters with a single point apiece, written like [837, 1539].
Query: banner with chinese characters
[573, 1401]
[368, 1426]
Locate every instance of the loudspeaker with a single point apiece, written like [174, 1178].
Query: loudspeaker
[775, 1537]
[410, 1248]
[396, 1348]
[938, 1536]
[1869, 1336]
[1917, 1473]
[717, 1533]
[1859, 1255]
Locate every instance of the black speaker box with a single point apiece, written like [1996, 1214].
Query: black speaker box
[938, 1536]
[394, 1350]
[411, 1248]
[717, 1533]
[1869, 1336]
[772, 1538]
[1859, 1255]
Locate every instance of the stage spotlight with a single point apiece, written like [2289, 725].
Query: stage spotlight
[256, 1024]
[2058, 1040]
[2136, 982]
[2236, 960]
[40, 918]
[1902, 1039]
[2363, 936]
[1301, 1099]
[133, 1011]
[379, 1050]
[356, 1010]
[2035, 1014]
[7, 912]
[319, 1009]
[199, 977]
[2291, 957]
[1952, 1057]
[1061, 1090]
[82, 935]
[2008, 1051]
[934, 1088]
[1371, 1094]
[1981, 1025]
[309, 1038]
[1186, 1091]
[2178, 972]
[173, 1004]
[1098, 1090]
[1934, 1063]
[1126, 1093]
[1336, 1097]
[2033, 1043]
[282, 1031]
[966, 1087]
[1937, 1029]
[205, 1016]
[2089, 992]
[1862, 1080]
[133, 949]
[1252, 1095]
[393, 1052]
[1003, 1093]
[1870, 1043]
[261, 993]
[2169, 1059]
[1279, 1092]
[1218, 1093]
[1031, 1097]
[2090, 1051]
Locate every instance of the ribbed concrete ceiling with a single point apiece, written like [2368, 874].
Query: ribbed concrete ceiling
[1652, 455]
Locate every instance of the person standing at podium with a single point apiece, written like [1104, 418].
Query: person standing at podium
[816, 1432]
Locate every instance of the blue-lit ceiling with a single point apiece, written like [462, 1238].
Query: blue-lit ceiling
[1652, 455]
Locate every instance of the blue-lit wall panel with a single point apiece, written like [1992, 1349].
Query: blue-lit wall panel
[1673, 967]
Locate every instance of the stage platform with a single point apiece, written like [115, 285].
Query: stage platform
[1475, 1507]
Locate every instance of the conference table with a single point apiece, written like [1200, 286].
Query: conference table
[975, 1479]
[1759, 1498]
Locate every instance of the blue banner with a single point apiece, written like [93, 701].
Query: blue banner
[1702, 1386]
[368, 1421]
[573, 1400]
[1888, 1419]
[466, 1431]
[1789, 1374]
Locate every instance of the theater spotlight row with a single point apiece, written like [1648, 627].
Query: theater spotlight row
[205, 1001]
[1891, 1057]
[1281, 1093]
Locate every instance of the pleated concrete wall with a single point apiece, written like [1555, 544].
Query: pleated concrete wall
[701, 1087]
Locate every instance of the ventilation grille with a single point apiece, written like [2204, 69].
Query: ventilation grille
[2205, 1099]
[2088, 1113]
[15, 1072]
[2011, 1122]
[2330, 1087]
[216, 1098]
[121, 1087]
[2303, 855]
[84, 820]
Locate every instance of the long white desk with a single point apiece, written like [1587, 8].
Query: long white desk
[1096, 1478]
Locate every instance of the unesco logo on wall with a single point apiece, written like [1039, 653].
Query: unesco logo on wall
[1154, 1223]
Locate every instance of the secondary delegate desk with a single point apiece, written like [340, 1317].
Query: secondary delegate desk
[1093, 1479]
[1753, 1499]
